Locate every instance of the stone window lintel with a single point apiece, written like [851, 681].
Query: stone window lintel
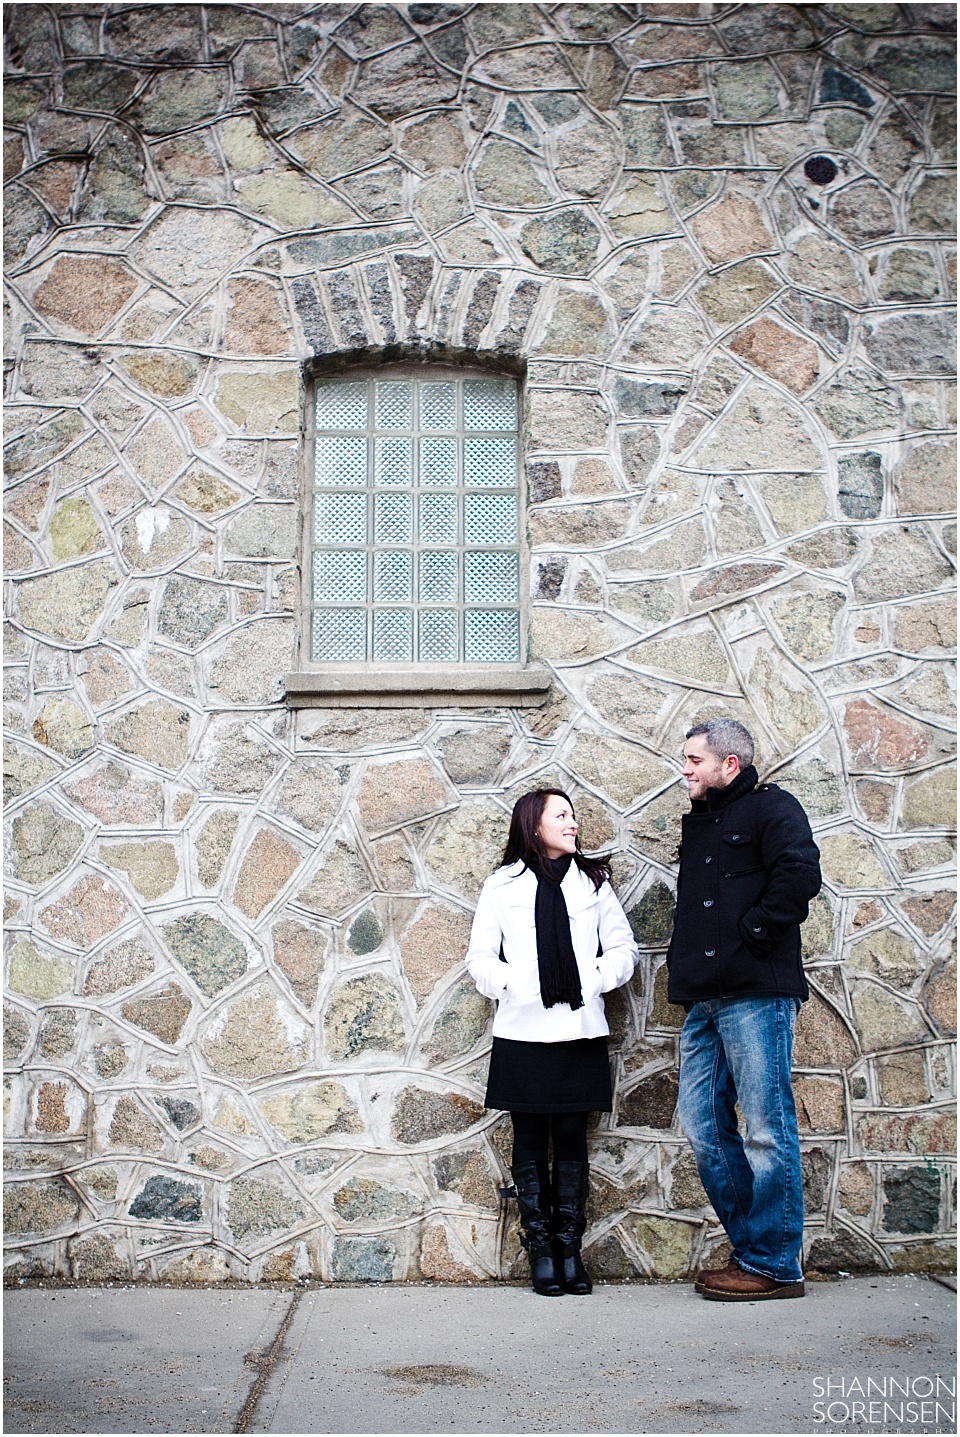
[419, 686]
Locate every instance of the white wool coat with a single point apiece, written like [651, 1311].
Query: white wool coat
[505, 915]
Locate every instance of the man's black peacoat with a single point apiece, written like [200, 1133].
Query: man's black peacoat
[748, 870]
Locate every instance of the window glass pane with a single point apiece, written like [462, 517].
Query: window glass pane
[438, 406]
[439, 583]
[491, 637]
[341, 460]
[491, 462]
[393, 578]
[394, 404]
[438, 578]
[394, 461]
[438, 519]
[340, 518]
[393, 635]
[341, 404]
[438, 462]
[438, 636]
[340, 578]
[491, 579]
[394, 519]
[340, 635]
[490, 519]
[489, 404]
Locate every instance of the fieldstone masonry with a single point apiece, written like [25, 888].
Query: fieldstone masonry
[717, 243]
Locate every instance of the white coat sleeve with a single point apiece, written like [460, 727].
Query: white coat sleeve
[483, 954]
[620, 953]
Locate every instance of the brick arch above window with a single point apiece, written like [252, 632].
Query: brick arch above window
[412, 302]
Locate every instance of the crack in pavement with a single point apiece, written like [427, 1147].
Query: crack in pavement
[265, 1362]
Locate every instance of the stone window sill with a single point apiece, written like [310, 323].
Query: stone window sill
[419, 686]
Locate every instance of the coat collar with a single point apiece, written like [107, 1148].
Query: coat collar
[745, 782]
[576, 887]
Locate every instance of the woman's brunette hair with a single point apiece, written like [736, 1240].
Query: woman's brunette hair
[524, 844]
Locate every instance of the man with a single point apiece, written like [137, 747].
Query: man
[748, 869]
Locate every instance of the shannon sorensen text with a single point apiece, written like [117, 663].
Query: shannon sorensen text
[886, 1401]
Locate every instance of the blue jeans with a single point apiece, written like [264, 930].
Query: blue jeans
[740, 1049]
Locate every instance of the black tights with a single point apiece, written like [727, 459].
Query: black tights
[532, 1133]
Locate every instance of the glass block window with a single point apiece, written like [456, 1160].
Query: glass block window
[415, 527]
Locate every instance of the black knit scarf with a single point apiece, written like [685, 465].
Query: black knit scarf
[559, 974]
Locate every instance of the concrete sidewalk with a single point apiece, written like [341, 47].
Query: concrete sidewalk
[630, 1359]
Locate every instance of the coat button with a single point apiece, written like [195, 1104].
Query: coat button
[708, 903]
[709, 952]
[756, 930]
[734, 838]
[708, 860]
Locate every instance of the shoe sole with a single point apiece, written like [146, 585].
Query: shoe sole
[714, 1294]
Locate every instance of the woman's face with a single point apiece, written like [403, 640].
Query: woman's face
[558, 827]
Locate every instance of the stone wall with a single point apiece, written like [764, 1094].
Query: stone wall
[239, 1039]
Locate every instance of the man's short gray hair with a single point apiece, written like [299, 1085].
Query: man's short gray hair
[725, 736]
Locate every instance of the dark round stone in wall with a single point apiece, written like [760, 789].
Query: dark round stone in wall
[820, 169]
[366, 933]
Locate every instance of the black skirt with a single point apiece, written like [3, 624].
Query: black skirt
[571, 1077]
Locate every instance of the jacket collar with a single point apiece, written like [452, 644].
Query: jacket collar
[744, 783]
[574, 886]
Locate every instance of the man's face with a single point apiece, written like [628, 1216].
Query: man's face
[703, 769]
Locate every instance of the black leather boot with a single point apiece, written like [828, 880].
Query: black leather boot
[532, 1182]
[570, 1183]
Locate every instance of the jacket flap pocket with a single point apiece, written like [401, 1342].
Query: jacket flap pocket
[518, 914]
[739, 839]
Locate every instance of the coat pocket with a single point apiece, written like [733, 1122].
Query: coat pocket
[739, 855]
[520, 951]
[591, 983]
[519, 928]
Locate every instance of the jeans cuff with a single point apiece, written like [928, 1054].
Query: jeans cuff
[773, 1276]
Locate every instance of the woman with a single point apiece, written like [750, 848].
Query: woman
[549, 936]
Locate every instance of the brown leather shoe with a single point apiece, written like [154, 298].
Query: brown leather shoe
[733, 1284]
[710, 1272]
